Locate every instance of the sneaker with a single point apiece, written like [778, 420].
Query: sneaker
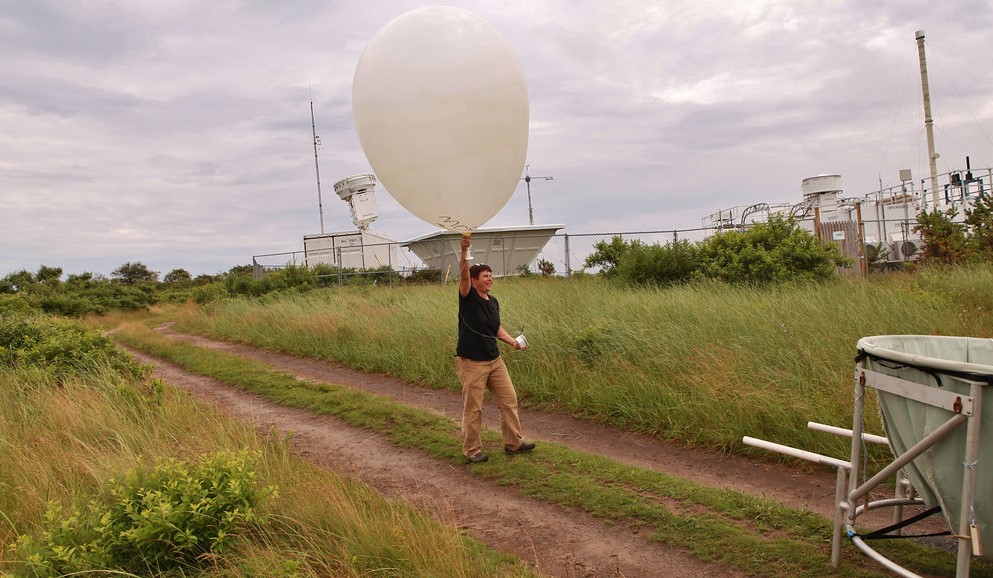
[524, 447]
[478, 458]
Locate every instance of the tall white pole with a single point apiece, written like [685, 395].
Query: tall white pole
[317, 167]
[928, 122]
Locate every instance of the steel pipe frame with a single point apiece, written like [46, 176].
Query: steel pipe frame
[855, 492]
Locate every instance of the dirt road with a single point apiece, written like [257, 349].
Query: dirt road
[556, 541]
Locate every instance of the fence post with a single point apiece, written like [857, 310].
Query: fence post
[340, 278]
[568, 266]
[863, 262]
[257, 271]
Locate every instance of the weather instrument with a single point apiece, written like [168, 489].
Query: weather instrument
[441, 110]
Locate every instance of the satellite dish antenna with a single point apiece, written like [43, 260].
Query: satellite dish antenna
[359, 192]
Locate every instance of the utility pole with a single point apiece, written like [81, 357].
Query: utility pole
[928, 122]
[527, 180]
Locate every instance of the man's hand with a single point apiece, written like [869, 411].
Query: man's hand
[466, 242]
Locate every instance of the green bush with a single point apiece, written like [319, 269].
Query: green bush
[79, 295]
[979, 219]
[289, 278]
[209, 293]
[176, 515]
[606, 255]
[659, 264]
[58, 345]
[773, 252]
[378, 276]
[945, 241]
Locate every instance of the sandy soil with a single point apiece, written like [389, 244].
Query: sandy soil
[556, 541]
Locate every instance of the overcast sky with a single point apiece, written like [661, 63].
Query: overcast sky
[177, 133]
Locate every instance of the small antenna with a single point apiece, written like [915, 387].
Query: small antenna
[317, 167]
[527, 179]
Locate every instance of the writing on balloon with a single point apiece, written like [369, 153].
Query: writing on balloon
[451, 224]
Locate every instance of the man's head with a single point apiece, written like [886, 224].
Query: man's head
[481, 277]
[475, 270]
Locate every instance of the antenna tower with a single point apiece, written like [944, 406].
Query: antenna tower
[527, 178]
[317, 167]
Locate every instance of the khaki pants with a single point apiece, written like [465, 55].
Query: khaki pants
[477, 376]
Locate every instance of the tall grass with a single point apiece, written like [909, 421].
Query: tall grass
[704, 364]
[64, 435]
[713, 524]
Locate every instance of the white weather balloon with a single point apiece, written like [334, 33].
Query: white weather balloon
[441, 110]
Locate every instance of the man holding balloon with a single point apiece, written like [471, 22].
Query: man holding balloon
[441, 110]
[478, 362]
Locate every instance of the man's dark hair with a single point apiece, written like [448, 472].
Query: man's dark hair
[475, 270]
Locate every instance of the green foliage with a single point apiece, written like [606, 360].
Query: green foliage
[291, 277]
[97, 297]
[979, 219]
[205, 279]
[544, 267]
[10, 304]
[49, 275]
[81, 294]
[606, 255]
[57, 345]
[425, 276]
[377, 276]
[657, 264]
[209, 293]
[134, 287]
[134, 274]
[178, 276]
[16, 282]
[773, 252]
[327, 275]
[596, 343]
[301, 279]
[177, 514]
[945, 241]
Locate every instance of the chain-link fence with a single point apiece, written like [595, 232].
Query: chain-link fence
[876, 231]
[563, 254]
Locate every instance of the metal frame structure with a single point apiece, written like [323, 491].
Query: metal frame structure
[965, 409]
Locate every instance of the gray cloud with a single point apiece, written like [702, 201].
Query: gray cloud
[178, 134]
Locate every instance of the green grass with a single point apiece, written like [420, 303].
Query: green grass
[705, 364]
[753, 535]
[64, 435]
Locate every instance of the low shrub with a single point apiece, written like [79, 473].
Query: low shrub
[777, 251]
[175, 515]
[659, 264]
[58, 345]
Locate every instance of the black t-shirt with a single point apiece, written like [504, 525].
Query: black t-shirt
[479, 320]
